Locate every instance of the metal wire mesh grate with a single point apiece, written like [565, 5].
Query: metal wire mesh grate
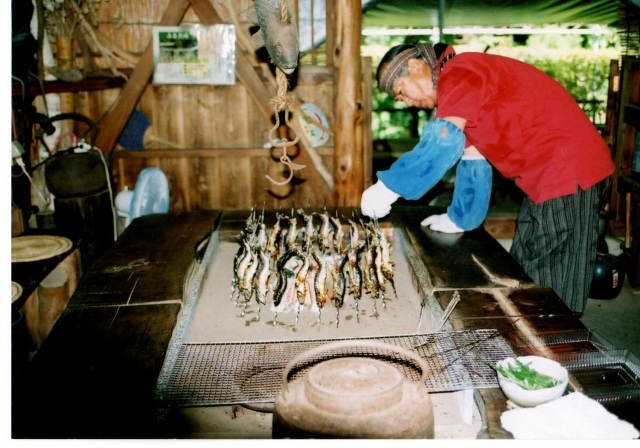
[583, 340]
[238, 373]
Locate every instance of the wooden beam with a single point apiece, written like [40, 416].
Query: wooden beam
[85, 85]
[200, 153]
[348, 171]
[111, 127]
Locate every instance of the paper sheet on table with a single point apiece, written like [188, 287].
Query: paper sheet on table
[574, 416]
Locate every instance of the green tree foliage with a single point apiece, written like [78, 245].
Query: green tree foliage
[581, 63]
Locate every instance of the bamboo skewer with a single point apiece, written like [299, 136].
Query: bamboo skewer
[447, 312]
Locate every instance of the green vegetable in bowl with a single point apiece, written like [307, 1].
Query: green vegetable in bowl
[526, 377]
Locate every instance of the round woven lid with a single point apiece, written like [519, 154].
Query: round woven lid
[16, 291]
[38, 247]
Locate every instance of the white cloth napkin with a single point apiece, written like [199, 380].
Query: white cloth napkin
[574, 416]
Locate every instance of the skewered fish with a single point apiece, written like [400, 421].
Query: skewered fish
[320, 280]
[324, 234]
[261, 282]
[292, 233]
[338, 235]
[339, 288]
[242, 266]
[273, 243]
[285, 274]
[310, 267]
[309, 231]
[302, 288]
[246, 283]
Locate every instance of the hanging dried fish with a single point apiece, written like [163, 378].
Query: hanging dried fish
[278, 32]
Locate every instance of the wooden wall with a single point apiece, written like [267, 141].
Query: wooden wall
[224, 162]
[210, 140]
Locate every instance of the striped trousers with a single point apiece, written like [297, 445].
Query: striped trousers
[556, 242]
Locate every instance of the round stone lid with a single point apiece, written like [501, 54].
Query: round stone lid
[353, 384]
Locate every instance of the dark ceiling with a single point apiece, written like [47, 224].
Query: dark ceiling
[491, 13]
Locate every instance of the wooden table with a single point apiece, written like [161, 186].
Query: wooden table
[94, 377]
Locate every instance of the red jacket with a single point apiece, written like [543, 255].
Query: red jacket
[525, 123]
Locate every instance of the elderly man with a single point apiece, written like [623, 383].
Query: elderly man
[493, 110]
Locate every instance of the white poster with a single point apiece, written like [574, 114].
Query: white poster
[198, 54]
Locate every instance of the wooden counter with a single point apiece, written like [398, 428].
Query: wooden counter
[94, 377]
[95, 374]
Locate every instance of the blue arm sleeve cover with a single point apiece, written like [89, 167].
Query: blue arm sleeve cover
[417, 171]
[471, 193]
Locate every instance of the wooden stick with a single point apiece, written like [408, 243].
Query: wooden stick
[447, 311]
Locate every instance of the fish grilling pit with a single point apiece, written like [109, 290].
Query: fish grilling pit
[219, 335]
[220, 318]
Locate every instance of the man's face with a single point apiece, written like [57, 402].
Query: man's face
[416, 89]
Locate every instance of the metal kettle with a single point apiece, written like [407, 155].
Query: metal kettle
[353, 397]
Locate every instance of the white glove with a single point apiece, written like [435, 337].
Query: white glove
[376, 200]
[441, 223]
[473, 157]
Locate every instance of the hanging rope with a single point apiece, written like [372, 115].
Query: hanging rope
[284, 14]
[284, 144]
[281, 103]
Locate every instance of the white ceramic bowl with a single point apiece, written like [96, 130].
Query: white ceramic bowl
[530, 398]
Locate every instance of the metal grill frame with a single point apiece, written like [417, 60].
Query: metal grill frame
[213, 374]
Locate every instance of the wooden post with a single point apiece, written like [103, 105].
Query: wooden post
[367, 140]
[43, 308]
[610, 123]
[348, 170]
[620, 159]
[330, 31]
